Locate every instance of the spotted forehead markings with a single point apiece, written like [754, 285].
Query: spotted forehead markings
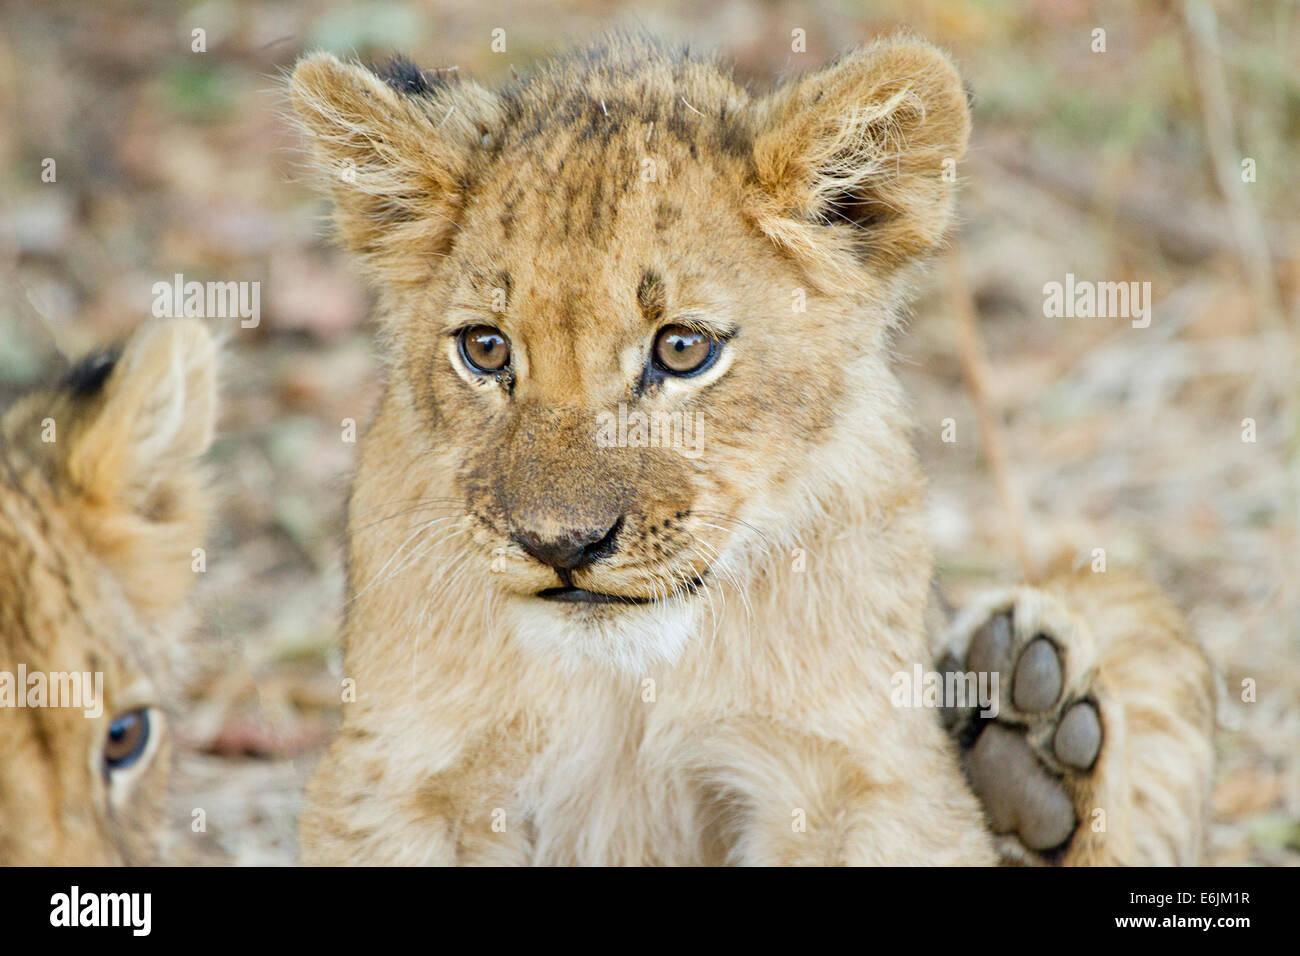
[590, 187]
[589, 98]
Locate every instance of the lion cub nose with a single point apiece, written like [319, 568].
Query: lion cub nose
[571, 550]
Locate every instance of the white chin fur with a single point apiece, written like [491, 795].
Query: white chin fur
[629, 639]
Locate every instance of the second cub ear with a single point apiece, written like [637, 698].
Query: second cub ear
[134, 448]
[856, 163]
[130, 432]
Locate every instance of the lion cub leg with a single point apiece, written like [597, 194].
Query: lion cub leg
[1100, 752]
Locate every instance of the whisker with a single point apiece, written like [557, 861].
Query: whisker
[719, 564]
[766, 552]
[393, 557]
[410, 499]
[724, 516]
[708, 595]
[405, 511]
[422, 529]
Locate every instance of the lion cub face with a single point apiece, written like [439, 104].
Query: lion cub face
[99, 511]
[632, 308]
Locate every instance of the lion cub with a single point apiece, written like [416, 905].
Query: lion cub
[100, 508]
[637, 539]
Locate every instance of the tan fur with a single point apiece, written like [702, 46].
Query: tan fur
[96, 533]
[1158, 711]
[749, 722]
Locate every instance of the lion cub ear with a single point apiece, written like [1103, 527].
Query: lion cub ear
[143, 427]
[135, 426]
[392, 148]
[856, 163]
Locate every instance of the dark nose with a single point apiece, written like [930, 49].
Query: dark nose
[571, 550]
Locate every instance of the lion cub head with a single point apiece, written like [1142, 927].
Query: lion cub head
[100, 509]
[638, 320]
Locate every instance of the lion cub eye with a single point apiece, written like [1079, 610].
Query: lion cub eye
[126, 740]
[484, 348]
[680, 350]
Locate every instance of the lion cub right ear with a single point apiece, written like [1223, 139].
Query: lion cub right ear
[392, 147]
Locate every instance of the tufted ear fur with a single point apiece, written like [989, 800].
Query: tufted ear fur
[855, 163]
[393, 145]
[128, 430]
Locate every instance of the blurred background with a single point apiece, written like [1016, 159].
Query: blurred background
[1126, 163]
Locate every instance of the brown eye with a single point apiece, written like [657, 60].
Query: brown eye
[680, 350]
[484, 348]
[126, 740]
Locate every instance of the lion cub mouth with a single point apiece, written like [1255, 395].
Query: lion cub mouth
[576, 595]
[583, 596]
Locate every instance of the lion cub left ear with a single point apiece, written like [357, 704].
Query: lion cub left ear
[856, 163]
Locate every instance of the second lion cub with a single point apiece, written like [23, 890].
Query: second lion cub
[102, 501]
[577, 637]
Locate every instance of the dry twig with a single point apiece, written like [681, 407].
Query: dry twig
[974, 367]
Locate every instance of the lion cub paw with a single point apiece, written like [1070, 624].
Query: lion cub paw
[1031, 756]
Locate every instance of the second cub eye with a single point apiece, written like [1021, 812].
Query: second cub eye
[126, 740]
[681, 350]
[484, 348]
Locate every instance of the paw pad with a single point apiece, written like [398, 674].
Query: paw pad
[1037, 683]
[1078, 738]
[1019, 796]
[990, 648]
[1025, 763]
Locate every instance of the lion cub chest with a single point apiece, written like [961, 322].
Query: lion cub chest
[614, 787]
